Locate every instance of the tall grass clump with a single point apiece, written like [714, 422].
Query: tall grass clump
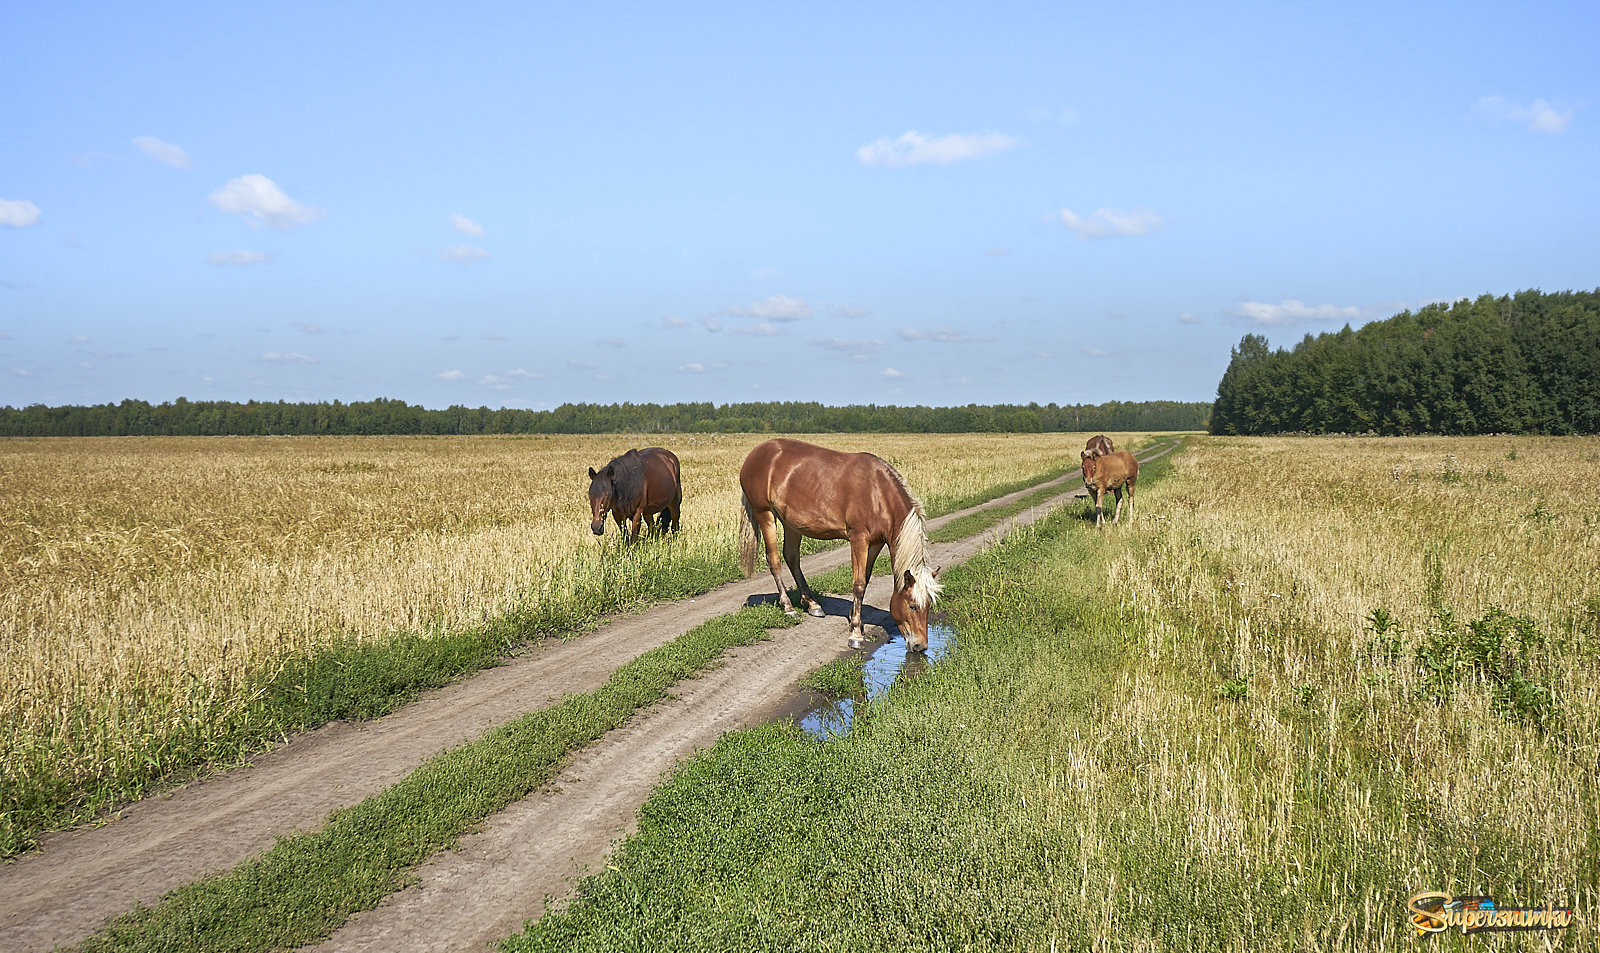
[171, 602]
[1196, 730]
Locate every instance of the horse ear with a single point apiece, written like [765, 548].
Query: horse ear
[910, 579]
[937, 570]
[591, 473]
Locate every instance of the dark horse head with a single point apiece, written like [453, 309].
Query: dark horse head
[602, 495]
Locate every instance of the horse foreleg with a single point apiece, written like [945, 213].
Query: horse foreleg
[638, 517]
[1099, 509]
[791, 555]
[862, 556]
[1118, 518]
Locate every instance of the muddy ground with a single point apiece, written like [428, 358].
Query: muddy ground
[466, 898]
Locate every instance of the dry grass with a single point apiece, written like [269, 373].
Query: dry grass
[147, 584]
[1346, 766]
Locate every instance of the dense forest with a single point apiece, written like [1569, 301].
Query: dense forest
[215, 418]
[1528, 363]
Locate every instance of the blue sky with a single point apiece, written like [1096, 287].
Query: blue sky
[531, 204]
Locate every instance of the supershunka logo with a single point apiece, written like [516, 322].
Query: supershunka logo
[1435, 912]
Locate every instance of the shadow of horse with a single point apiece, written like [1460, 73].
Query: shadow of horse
[837, 606]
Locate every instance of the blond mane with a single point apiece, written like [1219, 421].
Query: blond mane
[909, 552]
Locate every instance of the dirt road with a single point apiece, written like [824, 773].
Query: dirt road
[482, 891]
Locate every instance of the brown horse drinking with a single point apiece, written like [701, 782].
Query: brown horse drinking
[636, 487]
[826, 494]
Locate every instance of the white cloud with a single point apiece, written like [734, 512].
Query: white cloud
[521, 375]
[854, 346]
[775, 308]
[673, 321]
[1188, 317]
[581, 365]
[466, 226]
[1095, 352]
[914, 148]
[1065, 115]
[163, 152]
[698, 368]
[891, 374]
[1292, 312]
[274, 357]
[306, 327]
[242, 259]
[712, 323]
[463, 254]
[941, 335]
[1540, 116]
[764, 329]
[88, 159]
[258, 200]
[452, 375]
[1111, 223]
[18, 213]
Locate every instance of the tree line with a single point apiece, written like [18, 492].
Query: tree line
[186, 418]
[1524, 363]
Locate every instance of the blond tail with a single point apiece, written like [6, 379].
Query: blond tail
[747, 538]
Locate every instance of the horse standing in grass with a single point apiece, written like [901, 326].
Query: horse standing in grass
[826, 494]
[1111, 472]
[1098, 446]
[637, 486]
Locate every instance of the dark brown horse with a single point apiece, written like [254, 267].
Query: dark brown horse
[636, 487]
[826, 494]
[1098, 446]
[1114, 472]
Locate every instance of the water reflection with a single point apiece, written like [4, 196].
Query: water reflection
[887, 663]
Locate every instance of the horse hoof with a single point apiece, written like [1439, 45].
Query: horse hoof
[857, 642]
[815, 611]
[791, 613]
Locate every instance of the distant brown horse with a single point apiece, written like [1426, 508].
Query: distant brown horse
[636, 487]
[826, 494]
[1098, 446]
[1111, 472]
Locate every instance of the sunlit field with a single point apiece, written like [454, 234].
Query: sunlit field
[1308, 680]
[152, 586]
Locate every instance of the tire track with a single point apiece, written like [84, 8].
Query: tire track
[68, 888]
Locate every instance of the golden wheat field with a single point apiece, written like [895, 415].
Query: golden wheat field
[1409, 628]
[146, 583]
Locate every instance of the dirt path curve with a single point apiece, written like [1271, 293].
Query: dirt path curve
[483, 890]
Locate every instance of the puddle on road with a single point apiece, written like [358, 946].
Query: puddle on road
[887, 663]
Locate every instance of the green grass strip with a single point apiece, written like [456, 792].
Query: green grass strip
[308, 883]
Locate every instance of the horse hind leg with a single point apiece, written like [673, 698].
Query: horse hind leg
[791, 555]
[766, 526]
